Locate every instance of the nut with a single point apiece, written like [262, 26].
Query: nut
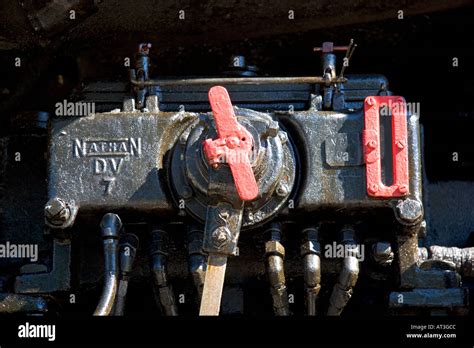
[274, 247]
[310, 247]
[382, 252]
[221, 237]
[273, 129]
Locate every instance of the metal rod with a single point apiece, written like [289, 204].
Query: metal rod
[349, 53]
[238, 80]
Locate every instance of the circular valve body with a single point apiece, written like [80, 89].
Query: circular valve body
[250, 161]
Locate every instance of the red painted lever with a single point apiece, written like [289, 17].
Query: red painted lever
[371, 141]
[233, 146]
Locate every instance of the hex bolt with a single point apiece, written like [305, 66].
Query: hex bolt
[221, 237]
[409, 210]
[273, 129]
[283, 137]
[282, 189]
[56, 211]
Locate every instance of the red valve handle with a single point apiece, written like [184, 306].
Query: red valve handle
[233, 146]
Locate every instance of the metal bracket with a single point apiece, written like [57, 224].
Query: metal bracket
[371, 144]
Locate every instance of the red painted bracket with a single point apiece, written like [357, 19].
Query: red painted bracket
[371, 144]
[233, 146]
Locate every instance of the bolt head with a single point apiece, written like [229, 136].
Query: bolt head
[283, 137]
[282, 190]
[373, 188]
[273, 129]
[221, 237]
[382, 252]
[403, 188]
[372, 144]
[370, 101]
[409, 210]
[56, 211]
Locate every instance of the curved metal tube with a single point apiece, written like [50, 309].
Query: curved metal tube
[110, 226]
[127, 250]
[342, 291]
[163, 290]
[104, 308]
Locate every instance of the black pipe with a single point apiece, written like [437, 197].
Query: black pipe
[197, 261]
[127, 251]
[163, 291]
[110, 226]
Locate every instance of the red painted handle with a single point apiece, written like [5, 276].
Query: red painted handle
[233, 146]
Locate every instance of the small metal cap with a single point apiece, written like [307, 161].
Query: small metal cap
[110, 226]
